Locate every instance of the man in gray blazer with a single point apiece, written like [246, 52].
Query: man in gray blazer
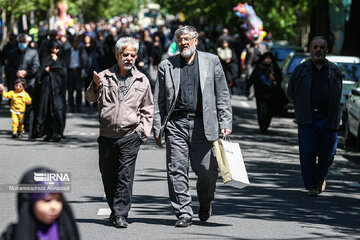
[191, 104]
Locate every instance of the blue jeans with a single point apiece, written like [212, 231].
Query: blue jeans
[317, 147]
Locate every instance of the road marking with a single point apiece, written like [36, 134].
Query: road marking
[72, 133]
[245, 104]
[336, 173]
[352, 184]
[104, 211]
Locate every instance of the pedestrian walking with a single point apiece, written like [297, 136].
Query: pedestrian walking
[254, 50]
[11, 44]
[23, 62]
[269, 95]
[125, 105]
[229, 63]
[93, 63]
[315, 87]
[42, 215]
[19, 100]
[49, 103]
[76, 61]
[192, 102]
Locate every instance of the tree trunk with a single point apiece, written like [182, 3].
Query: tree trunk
[351, 44]
[14, 24]
[52, 16]
[24, 23]
[5, 29]
[320, 19]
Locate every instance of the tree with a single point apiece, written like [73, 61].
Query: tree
[320, 19]
[278, 16]
[90, 9]
[13, 10]
[96, 9]
[352, 31]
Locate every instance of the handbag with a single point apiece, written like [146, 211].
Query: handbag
[231, 163]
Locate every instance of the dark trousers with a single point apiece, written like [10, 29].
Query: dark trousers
[186, 144]
[75, 83]
[317, 147]
[264, 114]
[117, 167]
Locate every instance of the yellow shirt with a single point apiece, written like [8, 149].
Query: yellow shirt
[18, 100]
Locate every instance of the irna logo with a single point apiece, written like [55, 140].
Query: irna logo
[51, 177]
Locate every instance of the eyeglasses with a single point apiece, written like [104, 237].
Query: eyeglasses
[128, 54]
[185, 40]
[319, 47]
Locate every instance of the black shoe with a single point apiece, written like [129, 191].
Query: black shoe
[14, 135]
[205, 213]
[111, 218]
[48, 138]
[183, 222]
[120, 222]
[57, 137]
[264, 130]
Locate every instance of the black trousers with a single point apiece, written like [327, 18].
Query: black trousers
[75, 83]
[117, 158]
[264, 113]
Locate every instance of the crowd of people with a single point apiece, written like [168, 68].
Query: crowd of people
[188, 105]
[58, 66]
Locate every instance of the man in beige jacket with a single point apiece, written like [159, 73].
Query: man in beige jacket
[125, 105]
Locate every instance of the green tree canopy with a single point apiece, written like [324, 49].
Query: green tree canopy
[278, 16]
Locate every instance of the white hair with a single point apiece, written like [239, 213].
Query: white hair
[124, 42]
[186, 29]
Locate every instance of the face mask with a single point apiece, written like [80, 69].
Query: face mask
[22, 46]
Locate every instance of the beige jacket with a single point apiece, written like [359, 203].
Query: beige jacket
[134, 113]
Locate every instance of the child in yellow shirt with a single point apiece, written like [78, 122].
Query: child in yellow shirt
[19, 100]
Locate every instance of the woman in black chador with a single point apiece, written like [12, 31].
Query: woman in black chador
[42, 215]
[269, 95]
[50, 114]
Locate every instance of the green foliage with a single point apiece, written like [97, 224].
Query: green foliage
[95, 9]
[278, 16]
[17, 7]
[281, 17]
[91, 9]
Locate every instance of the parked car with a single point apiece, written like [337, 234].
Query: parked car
[350, 69]
[352, 124]
[280, 52]
[287, 67]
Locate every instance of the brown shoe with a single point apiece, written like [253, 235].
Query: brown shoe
[322, 185]
[313, 192]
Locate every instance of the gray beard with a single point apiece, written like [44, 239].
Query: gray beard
[127, 67]
[188, 53]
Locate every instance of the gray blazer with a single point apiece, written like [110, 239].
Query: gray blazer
[216, 104]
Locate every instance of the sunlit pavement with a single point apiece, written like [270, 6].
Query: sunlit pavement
[274, 206]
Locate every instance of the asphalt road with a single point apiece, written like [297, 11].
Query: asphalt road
[274, 206]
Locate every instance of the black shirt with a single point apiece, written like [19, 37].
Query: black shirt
[189, 99]
[320, 88]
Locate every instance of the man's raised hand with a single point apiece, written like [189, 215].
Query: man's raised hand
[96, 79]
